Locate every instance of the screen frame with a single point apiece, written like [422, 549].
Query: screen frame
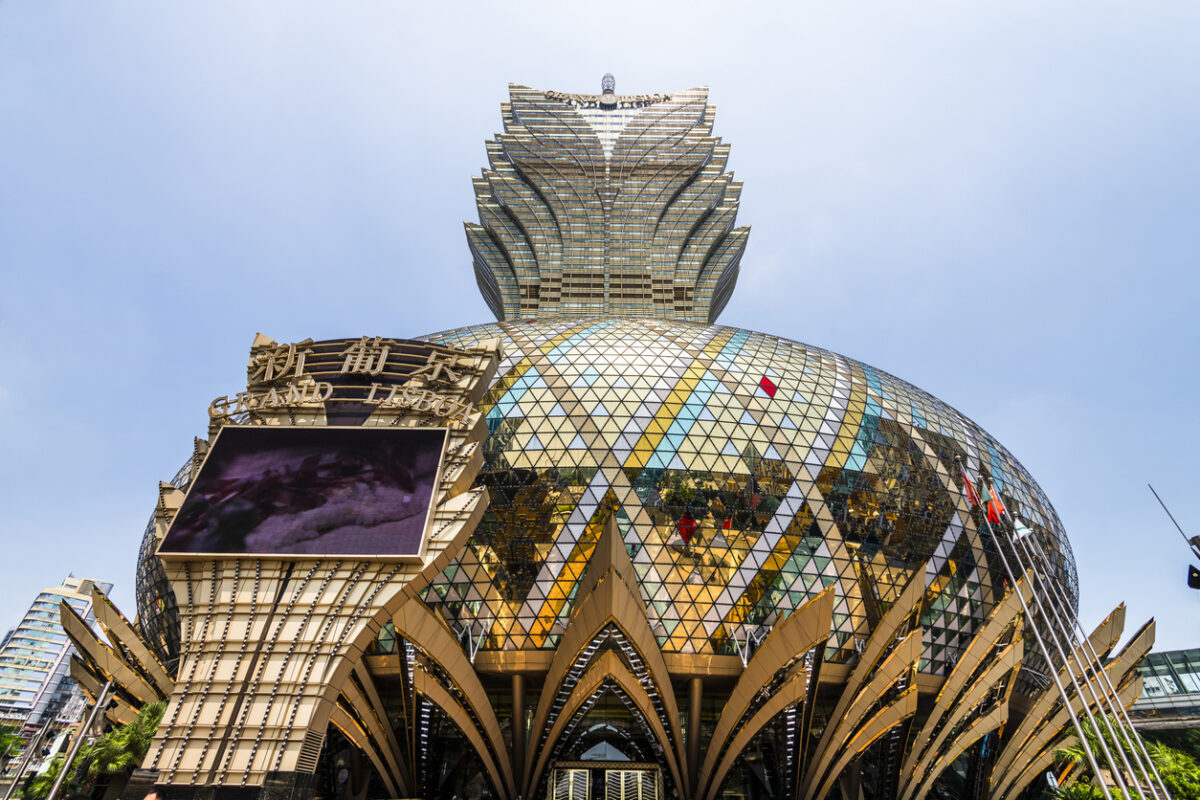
[426, 530]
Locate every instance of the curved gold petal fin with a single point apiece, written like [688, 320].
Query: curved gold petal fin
[805, 628]
[610, 595]
[425, 685]
[608, 666]
[416, 623]
[349, 726]
[789, 694]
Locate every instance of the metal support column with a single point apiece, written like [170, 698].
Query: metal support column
[695, 698]
[84, 730]
[518, 729]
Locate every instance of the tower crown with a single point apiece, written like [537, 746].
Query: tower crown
[607, 204]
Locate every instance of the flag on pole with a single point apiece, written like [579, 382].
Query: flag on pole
[1020, 529]
[995, 506]
[1193, 577]
[969, 488]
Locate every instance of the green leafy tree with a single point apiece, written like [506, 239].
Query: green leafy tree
[1082, 791]
[10, 743]
[1185, 741]
[1179, 771]
[39, 788]
[123, 749]
[119, 751]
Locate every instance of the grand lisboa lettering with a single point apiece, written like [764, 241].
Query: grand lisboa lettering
[636, 554]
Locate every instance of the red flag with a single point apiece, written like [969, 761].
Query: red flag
[686, 527]
[969, 488]
[728, 524]
[995, 506]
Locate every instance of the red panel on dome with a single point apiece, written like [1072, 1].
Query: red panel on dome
[768, 386]
[686, 527]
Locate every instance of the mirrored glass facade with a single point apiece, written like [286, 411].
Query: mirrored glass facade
[714, 562]
[1171, 698]
[746, 472]
[35, 686]
[617, 203]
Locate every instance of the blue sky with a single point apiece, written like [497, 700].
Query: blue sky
[996, 202]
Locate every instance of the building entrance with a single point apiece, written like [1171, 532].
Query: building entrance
[605, 780]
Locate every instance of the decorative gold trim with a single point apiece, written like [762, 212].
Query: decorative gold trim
[1128, 694]
[104, 658]
[789, 694]
[610, 595]
[881, 664]
[883, 721]
[1038, 732]
[424, 684]
[915, 779]
[968, 736]
[121, 633]
[1026, 739]
[798, 633]
[380, 739]
[607, 666]
[352, 730]
[269, 643]
[981, 645]
[957, 698]
[416, 623]
[120, 712]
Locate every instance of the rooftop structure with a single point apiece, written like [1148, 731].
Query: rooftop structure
[607, 204]
[1171, 699]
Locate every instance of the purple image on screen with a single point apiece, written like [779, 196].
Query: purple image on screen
[311, 491]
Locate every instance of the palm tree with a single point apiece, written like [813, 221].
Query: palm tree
[123, 749]
[1081, 791]
[119, 751]
[1178, 770]
[41, 785]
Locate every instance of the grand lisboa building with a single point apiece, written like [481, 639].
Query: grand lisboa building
[714, 563]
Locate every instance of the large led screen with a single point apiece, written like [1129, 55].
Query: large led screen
[311, 491]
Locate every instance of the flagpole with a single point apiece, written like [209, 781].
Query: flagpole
[1066, 662]
[1087, 750]
[1095, 667]
[27, 757]
[1111, 697]
[1192, 543]
[101, 704]
[1084, 670]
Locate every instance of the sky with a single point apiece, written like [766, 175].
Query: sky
[996, 202]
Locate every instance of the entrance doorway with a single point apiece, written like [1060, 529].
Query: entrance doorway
[605, 780]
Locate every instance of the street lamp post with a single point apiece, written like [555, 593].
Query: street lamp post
[101, 702]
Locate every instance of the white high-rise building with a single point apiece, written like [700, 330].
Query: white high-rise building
[35, 683]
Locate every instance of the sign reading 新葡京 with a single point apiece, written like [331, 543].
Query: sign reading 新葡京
[281, 376]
